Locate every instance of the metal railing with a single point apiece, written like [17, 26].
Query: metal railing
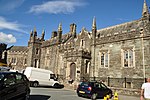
[134, 83]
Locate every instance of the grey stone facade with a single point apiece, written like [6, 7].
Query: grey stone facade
[117, 52]
[17, 57]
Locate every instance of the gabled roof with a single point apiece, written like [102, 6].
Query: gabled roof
[52, 41]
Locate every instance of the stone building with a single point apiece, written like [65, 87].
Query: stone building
[3, 54]
[67, 55]
[17, 57]
[116, 52]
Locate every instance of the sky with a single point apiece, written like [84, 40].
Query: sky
[19, 17]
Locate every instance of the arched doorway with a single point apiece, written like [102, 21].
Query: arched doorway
[72, 71]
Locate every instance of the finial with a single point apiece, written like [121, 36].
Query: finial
[35, 32]
[43, 31]
[74, 28]
[34, 29]
[145, 9]
[83, 28]
[43, 34]
[60, 27]
[31, 32]
[94, 23]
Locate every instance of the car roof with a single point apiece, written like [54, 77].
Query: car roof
[91, 82]
[7, 72]
[2, 68]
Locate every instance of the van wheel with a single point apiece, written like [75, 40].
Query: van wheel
[35, 84]
[56, 85]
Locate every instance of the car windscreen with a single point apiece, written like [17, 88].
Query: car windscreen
[84, 83]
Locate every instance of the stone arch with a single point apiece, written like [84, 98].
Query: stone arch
[72, 71]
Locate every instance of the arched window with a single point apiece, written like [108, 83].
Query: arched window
[104, 59]
[37, 51]
[72, 71]
[87, 67]
[128, 58]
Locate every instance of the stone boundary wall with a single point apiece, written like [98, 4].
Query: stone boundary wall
[120, 91]
[125, 91]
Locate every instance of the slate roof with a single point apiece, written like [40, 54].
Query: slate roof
[121, 28]
[65, 37]
[19, 48]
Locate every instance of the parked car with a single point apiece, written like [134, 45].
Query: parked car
[93, 90]
[14, 86]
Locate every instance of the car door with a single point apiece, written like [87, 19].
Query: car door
[97, 88]
[9, 88]
[20, 85]
[102, 90]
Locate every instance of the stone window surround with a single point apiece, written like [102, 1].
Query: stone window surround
[25, 61]
[37, 51]
[87, 63]
[128, 49]
[122, 57]
[82, 43]
[14, 61]
[108, 58]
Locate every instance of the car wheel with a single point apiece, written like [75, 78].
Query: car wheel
[110, 95]
[26, 97]
[94, 95]
[35, 84]
[78, 95]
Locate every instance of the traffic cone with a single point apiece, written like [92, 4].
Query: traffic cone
[116, 96]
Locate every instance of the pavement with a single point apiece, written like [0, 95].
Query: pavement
[126, 97]
[121, 97]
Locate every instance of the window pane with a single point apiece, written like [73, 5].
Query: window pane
[18, 78]
[106, 60]
[102, 59]
[25, 61]
[9, 80]
[131, 57]
[126, 59]
[37, 50]
[1, 76]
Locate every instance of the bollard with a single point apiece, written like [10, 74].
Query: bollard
[116, 96]
[108, 97]
[105, 98]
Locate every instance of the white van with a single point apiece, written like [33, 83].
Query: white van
[39, 76]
